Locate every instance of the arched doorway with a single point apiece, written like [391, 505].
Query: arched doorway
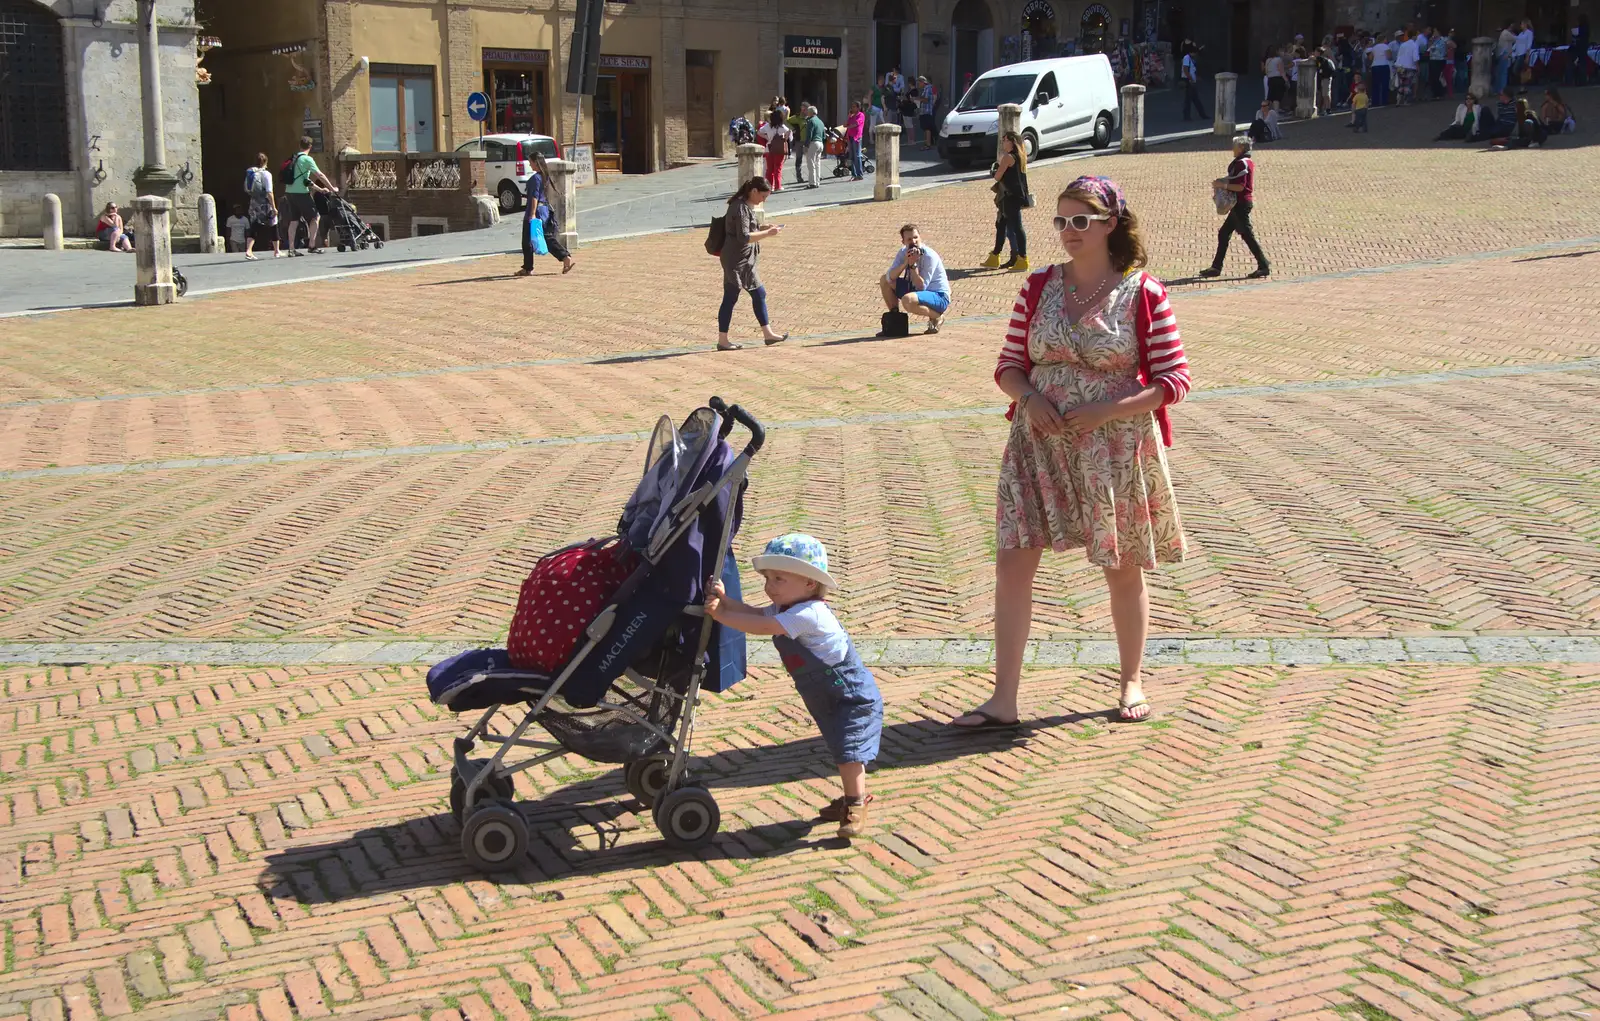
[894, 27]
[1039, 30]
[972, 32]
[33, 89]
[1094, 30]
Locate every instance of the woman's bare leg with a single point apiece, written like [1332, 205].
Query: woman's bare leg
[1013, 617]
[1130, 615]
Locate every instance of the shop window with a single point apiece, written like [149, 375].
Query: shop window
[519, 99]
[33, 89]
[402, 108]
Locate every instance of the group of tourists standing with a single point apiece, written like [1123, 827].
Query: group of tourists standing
[910, 103]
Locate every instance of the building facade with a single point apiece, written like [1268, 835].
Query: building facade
[70, 121]
[384, 76]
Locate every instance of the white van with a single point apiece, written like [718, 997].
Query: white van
[1064, 101]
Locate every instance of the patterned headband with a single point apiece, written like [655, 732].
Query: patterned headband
[1104, 189]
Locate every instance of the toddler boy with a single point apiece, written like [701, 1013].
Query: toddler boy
[238, 229]
[838, 690]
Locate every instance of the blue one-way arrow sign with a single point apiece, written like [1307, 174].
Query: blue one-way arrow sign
[478, 106]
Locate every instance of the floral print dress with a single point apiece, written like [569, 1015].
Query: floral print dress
[1108, 490]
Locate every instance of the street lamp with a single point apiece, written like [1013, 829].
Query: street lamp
[152, 208]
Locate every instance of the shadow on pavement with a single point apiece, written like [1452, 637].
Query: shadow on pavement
[425, 851]
[473, 280]
[1559, 255]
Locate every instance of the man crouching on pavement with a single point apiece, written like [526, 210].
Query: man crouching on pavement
[916, 283]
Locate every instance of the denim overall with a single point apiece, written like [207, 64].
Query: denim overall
[843, 699]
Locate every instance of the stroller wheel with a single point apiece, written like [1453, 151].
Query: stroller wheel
[494, 787]
[688, 818]
[341, 248]
[646, 779]
[494, 837]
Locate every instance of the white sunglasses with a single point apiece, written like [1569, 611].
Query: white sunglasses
[1079, 222]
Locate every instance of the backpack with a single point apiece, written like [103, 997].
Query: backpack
[250, 180]
[717, 236]
[777, 145]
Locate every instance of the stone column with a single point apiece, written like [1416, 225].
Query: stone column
[1224, 115]
[1133, 118]
[210, 243]
[1481, 83]
[1010, 120]
[886, 182]
[52, 223]
[152, 251]
[1305, 93]
[750, 162]
[563, 196]
[154, 182]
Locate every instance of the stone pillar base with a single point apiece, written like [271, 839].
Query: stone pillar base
[1133, 118]
[1223, 122]
[152, 251]
[750, 162]
[155, 294]
[886, 181]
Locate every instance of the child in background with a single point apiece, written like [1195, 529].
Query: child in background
[238, 229]
[1358, 107]
[838, 690]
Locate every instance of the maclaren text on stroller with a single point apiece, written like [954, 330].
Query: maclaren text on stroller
[627, 693]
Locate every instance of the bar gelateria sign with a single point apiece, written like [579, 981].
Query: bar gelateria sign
[812, 50]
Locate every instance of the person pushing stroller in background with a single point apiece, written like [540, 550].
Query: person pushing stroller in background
[837, 688]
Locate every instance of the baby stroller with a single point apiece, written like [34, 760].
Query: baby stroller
[835, 144]
[353, 231]
[627, 693]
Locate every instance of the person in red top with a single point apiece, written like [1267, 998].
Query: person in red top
[1241, 179]
[1091, 359]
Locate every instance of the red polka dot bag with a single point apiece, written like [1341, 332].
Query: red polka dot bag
[562, 594]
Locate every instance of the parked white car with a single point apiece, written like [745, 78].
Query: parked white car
[1064, 101]
[508, 163]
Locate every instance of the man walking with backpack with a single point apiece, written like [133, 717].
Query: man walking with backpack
[300, 177]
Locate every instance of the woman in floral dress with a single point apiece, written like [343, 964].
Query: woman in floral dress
[1092, 358]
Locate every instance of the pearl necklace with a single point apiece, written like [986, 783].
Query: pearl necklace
[1072, 289]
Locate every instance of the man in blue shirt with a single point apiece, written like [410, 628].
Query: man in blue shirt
[916, 282]
[1191, 82]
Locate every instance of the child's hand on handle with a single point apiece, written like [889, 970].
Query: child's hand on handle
[715, 593]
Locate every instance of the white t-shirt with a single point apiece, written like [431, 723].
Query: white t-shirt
[1379, 52]
[1406, 59]
[238, 228]
[815, 627]
[767, 132]
[1523, 44]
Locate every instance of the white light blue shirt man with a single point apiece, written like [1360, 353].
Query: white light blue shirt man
[918, 287]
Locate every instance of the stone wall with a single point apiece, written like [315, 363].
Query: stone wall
[105, 125]
[389, 187]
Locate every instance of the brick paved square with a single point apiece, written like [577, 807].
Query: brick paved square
[1368, 790]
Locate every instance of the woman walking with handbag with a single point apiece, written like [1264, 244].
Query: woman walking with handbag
[741, 247]
[539, 223]
[1010, 199]
[1091, 360]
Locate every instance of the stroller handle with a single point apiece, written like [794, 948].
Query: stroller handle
[734, 413]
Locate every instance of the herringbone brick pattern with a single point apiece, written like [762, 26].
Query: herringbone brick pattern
[1280, 843]
[273, 843]
[1371, 511]
[1319, 210]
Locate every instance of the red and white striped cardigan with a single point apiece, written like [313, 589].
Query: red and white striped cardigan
[1161, 359]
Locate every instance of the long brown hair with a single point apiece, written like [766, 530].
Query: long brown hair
[1125, 242]
[756, 183]
[1019, 150]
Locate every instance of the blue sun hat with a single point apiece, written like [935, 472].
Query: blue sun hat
[797, 553]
